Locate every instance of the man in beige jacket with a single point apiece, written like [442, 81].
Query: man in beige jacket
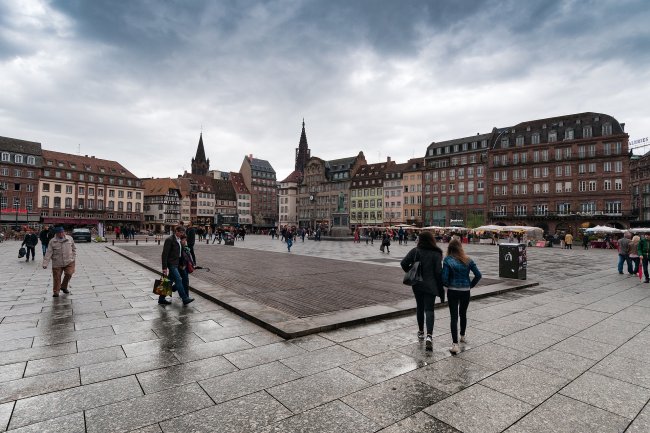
[62, 252]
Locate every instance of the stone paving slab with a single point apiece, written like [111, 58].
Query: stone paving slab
[554, 357]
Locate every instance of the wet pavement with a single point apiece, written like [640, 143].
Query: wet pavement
[569, 355]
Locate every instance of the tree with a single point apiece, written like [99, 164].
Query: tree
[475, 220]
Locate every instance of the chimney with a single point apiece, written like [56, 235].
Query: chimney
[623, 127]
[388, 159]
[250, 156]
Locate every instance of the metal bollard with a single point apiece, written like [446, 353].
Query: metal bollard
[136, 242]
[113, 242]
[146, 240]
[158, 241]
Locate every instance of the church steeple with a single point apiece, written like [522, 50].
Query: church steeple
[302, 152]
[200, 165]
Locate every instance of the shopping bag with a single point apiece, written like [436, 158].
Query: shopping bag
[162, 287]
[21, 252]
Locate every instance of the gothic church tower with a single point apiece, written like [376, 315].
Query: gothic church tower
[302, 152]
[200, 165]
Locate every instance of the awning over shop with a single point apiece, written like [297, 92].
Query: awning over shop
[71, 221]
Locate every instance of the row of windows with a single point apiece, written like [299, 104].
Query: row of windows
[455, 200]
[110, 216]
[464, 147]
[362, 204]
[90, 178]
[552, 136]
[453, 173]
[442, 188]
[17, 203]
[91, 191]
[88, 204]
[4, 171]
[18, 159]
[588, 151]
[365, 216]
[560, 187]
[611, 207]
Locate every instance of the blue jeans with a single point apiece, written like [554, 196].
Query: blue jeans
[44, 246]
[624, 258]
[289, 243]
[182, 281]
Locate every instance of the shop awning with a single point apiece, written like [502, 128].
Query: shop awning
[71, 221]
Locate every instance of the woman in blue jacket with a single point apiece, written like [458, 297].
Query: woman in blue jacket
[455, 276]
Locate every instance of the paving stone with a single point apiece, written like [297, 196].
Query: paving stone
[149, 429]
[66, 424]
[334, 417]
[641, 423]
[56, 404]
[424, 357]
[64, 337]
[421, 422]
[561, 414]
[116, 340]
[233, 385]
[170, 377]
[262, 355]
[382, 367]
[262, 338]
[579, 319]
[319, 360]
[375, 344]
[349, 333]
[245, 414]
[311, 391]
[125, 367]
[479, 409]
[625, 369]
[635, 313]
[98, 323]
[36, 353]
[584, 348]
[393, 400]
[30, 386]
[312, 342]
[214, 348]
[167, 343]
[64, 362]
[21, 343]
[451, 374]
[143, 411]
[5, 414]
[493, 356]
[146, 325]
[612, 331]
[525, 383]
[610, 394]
[12, 371]
[559, 363]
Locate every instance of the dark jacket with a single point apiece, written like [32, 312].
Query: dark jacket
[644, 248]
[171, 252]
[45, 236]
[30, 240]
[191, 236]
[431, 265]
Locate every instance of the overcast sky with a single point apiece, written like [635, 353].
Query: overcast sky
[136, 81]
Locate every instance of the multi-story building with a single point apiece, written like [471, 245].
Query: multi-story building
[640, 182]
[367, 194]
[561, 173]
[202, 199]
[260, 180]
[244, 215]
[79, 190]
[225, 212]
[394, 194]
[20, 166]
[185, 188]
[322, 186]
[162, 204]
[288, 199]
[455, 182]
[412, 183]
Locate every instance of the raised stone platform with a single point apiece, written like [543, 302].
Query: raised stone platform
[296, 295]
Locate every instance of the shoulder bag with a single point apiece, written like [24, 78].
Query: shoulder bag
[413, 275]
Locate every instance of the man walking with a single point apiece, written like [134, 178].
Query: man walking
[30, 242]
[171, 259]
[62, 252]
[644, 254]
[45, 235]
[190, 232]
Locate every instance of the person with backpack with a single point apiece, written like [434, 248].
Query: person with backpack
[430, 257]
[455, 276]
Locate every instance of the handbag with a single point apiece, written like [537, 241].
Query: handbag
[162, 287]
[21, 252]
[413, 275]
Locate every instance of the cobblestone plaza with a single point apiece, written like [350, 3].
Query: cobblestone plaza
[570, 354]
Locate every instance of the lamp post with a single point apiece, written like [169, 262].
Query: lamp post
[16, 207]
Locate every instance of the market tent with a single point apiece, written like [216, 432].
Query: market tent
[489, 228]
[603, 229]
[640, 230]
[433, 228]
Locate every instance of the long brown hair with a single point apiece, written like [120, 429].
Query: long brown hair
[455, 250]
[426, 241]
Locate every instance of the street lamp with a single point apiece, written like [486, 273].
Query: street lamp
[16, 207]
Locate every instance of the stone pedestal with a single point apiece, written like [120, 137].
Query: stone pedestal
[340, 227]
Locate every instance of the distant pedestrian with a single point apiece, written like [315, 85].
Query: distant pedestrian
[644, 254]
[585, 241]
[568, 241]
[425, 292]
[624, 253]
[30, 241]
[288, 235]
[172, 265]
[62, 252]
[634, 253]
[190, 232]
[455, 275]
[45, 235]
[385, 242]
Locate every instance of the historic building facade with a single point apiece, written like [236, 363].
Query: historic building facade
[394, 194]
[162, 205]
[20, 167]
[322, 185]
[225, 200]
[259, 177]
[367, 194]
[561, 173]
[244, 213]
[288, 199]
[79, 190]
[412, 183]
[455, 191]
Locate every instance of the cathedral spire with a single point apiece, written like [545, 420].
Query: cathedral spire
[302, 152]
[200, 165]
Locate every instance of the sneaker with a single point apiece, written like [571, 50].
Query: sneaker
[454, 349]
[429, 343]
[65, 290]
[188, 300]
[420, 335]
[462, 339]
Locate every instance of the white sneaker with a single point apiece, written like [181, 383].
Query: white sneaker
[429, 343]
[454, 349]
[462, 339]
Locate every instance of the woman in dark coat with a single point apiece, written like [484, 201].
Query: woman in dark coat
[430, 257]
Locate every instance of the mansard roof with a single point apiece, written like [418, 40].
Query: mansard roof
[470, 139]
[20, 146]
[88, 164]
[261, 165]
[159, 186]
[238, 183]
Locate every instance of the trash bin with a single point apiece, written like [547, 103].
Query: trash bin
[512, 261]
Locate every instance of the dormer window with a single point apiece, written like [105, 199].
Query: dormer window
[607, 129]
[552, 136]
